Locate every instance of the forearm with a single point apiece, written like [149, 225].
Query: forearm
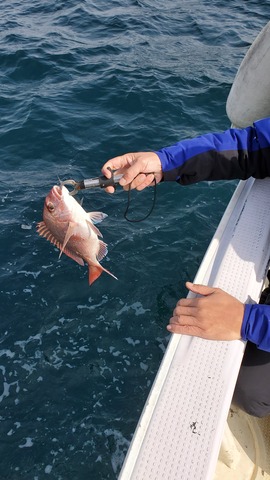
[233, 154]
[256, 325]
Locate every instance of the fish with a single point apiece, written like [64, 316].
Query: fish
[73, 230]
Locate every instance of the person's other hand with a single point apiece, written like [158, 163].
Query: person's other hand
[214, 315]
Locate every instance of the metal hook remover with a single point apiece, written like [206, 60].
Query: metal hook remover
[98, 182]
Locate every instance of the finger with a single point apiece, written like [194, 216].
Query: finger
[141, 181]
[200, 289]
[148, 180]
[187, 302]
[185, 330]
[138, 181]
[181, 311]
[110, 189]
[115, 163]
[183, 320]
[132, 172]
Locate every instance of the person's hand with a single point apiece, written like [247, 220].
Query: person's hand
[214, 315]
[139, 170]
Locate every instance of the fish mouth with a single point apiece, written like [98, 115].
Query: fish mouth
[57, 191]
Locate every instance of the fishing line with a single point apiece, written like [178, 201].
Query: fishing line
[136, 220]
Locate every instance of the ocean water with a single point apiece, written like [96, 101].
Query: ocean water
[81, 82]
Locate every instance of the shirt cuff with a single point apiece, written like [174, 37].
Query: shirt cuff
[256, 325]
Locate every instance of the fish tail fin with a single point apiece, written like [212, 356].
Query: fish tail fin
[109, 273]
[95, 272]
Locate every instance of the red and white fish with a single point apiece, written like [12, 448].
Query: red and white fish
[68, 226]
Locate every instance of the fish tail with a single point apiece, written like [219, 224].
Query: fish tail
[109, 273]
[95, 272]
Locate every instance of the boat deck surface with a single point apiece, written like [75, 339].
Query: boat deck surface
[184, 421]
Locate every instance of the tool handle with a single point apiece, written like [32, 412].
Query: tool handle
[101, 182]
[109, 182]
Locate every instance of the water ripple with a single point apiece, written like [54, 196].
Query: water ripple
[81, 82]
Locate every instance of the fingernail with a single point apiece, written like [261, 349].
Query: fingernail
[169, 327]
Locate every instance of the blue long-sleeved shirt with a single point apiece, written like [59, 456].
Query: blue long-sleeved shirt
[229, 155]
[256, 325]
[233, 154]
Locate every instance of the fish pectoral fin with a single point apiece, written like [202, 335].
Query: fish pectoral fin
[94, 228]
[71, 230]
[97, 217]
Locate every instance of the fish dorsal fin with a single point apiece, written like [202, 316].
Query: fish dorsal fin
[97, 217]
[102, 250]
[94, 228]
[43, 231]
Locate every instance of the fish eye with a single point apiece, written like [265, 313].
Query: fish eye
[50, 206]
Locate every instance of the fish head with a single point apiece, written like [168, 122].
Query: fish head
[58, 204]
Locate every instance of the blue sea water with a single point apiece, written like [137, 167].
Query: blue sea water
[81, 82]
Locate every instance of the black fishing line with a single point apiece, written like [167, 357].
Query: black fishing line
[136, 220]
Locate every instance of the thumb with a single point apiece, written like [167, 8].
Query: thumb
[200, 289]
[116, 163]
